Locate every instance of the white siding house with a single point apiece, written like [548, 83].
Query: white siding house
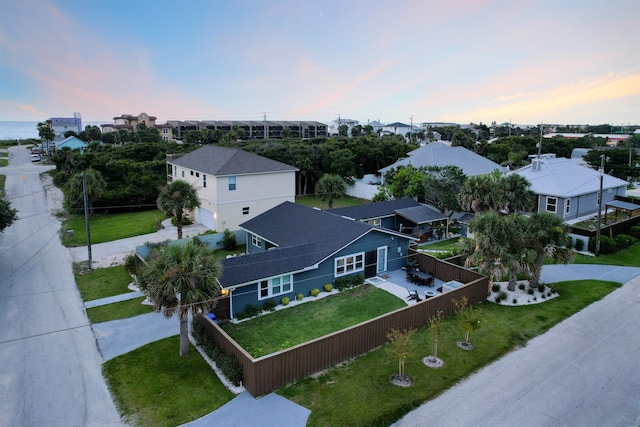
[234, 186]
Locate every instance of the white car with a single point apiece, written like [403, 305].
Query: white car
[35, 157]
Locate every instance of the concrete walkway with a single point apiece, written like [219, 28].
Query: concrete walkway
[584, 371]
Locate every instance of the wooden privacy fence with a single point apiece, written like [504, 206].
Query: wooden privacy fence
[272, 371]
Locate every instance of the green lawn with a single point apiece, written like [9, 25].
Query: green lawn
[629, 257]
[270, 333]
[118, 310]
[315, 202]
[442, 245]
[103, 282]
[109, 227]
[360, 392]
[4, 162]
[155, 386]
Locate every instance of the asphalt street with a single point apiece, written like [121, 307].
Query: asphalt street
[50, 373]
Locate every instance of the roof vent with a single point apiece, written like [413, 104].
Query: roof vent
[535, 165]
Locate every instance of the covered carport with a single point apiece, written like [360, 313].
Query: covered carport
[421, 221]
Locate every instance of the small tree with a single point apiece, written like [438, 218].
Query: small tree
[436, 330]
[330, 187]
[177, 197]
[402, 347]
[229, 240]
[469, 318]
[7, 214]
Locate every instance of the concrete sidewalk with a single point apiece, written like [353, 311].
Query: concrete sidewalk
[583, 372]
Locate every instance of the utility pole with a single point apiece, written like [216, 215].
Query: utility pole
[86, 215]
[411, 130]
[601, 173]
[264, 123]
[540, 143]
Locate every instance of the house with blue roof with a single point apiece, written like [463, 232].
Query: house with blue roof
[73, 143]
[569, 190]
[292, 249]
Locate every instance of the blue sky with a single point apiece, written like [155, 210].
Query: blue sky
[525, 61]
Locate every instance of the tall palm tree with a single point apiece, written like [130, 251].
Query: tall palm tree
[74, 189]
[546, 237]
[516, 256]
[488, 246]
[481, 193]
[330, 187]
[182, 279]
[177, 197]
[517, 193]
[46, 133]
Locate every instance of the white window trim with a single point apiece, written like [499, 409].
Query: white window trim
[567, 207]
[377, 222]
[256, 241]
[350, 267]
[269, 284]
[555, 206]
[232, 180]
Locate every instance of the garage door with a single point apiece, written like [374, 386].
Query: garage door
[205, 217]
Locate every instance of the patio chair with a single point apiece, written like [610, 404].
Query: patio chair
[413, 295]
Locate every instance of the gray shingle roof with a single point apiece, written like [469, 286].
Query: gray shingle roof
[374, 210]
[563, 178]
[220, 161]
[421, 214]
[439, 154]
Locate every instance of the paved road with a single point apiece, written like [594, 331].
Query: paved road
[583, 372]
[50, 368]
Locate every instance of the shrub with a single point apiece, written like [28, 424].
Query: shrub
[569, 242]
[607, 245]
[521, 286]
[285, 301]
[229, 240]
[185, 220]
[498, 299]
[347, 282]
[635, 231]
[541, 287]
[251, 310]
[530, 291]
[227, 363]
[270, 305]
[131, 263]
[579, 244]
[299, 297]
[328, 287]
[495, 287]
[515, 301]
[503, 295]
[624, 241]
[315, 292]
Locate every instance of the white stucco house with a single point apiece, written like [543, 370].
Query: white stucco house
[234, 186]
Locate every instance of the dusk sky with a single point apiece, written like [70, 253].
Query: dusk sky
[524, 61]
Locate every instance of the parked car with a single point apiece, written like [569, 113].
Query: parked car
[35, 157]
[36, 150]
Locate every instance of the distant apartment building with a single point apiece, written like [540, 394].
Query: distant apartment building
[60, 125]
[130, 122]
[265, 129]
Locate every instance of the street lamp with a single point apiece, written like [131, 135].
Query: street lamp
[601, 173]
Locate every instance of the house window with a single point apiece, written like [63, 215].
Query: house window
[183, 174]
[552, 202]
[349, 264]
[256, 241]
[245, 210]
[377, 222]
[204, 180]
[191, 173]
[175, 171]
[274, 286]
[165, 130]
[232, 183]
[567, 207]
[197, 174]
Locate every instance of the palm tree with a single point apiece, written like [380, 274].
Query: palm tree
[330, 187]
[182, 279]
[74, 189]
[177, 197]
[516, 255]
[488, 246]
[546, 237]
[46, 133]
[517, 194]
[481, 193]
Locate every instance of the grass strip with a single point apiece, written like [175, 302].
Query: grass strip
[118, 310]
[342, 202]
[360, 392]
[155, 386]
[103, 282]
[272, 332]
[110, 227]
[629, 257]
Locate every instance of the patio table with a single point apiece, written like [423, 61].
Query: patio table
[421, 277]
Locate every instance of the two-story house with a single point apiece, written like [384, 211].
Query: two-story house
[233, 185]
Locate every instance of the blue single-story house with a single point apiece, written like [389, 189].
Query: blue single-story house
[292, 249]
[73, 143]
